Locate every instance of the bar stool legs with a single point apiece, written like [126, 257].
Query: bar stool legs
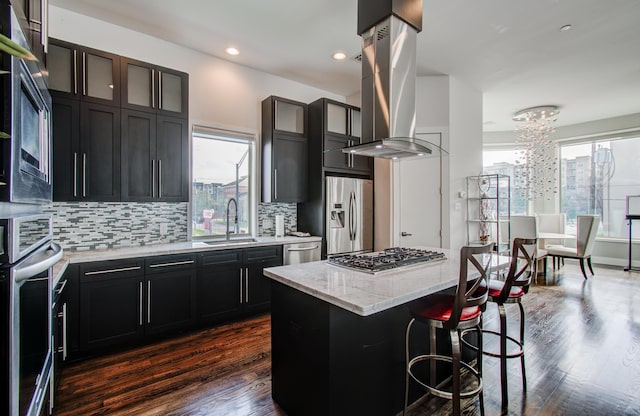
[457, 365]
[504, 355]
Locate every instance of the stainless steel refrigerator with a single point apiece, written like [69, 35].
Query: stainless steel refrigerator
[349, 215]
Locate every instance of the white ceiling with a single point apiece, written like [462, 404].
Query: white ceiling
[511, 50]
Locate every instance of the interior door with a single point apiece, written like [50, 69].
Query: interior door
[419, 199]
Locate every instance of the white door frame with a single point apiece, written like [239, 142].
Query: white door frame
[444, 189]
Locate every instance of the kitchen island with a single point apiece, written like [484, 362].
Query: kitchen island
[338, 334]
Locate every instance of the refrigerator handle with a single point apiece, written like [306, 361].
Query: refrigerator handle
[352, 216]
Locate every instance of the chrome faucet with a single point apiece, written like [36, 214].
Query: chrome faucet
[236, 214]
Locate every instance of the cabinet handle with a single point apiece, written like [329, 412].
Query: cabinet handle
[175, 263]
[84, 175]
[75, 174]
[153, 178]
[122, 269]
[159, 90]
[353, 156]
[148, 301]
[303, 248]
[153, 88]
[140, 303]
[241, 286]
[64, 331]
[75, 72]
[44, 28]
[84, 73]
[246, 285]
[159, 178]
[275, 184]
[61, 288]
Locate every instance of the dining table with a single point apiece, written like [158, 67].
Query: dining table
[553, 236]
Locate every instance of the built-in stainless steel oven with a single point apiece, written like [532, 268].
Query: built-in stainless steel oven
[25, 169]
[28, 255]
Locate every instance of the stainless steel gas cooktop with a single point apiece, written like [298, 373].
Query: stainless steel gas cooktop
[388, 259]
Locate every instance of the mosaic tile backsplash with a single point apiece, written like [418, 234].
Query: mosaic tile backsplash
[96, 225]
[267, 218]
[83, 226]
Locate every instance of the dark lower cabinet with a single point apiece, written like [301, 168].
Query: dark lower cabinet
[231, 282]
[170, 292]
[219, 286]
[124, 302]
[111, 303]
[257, 288]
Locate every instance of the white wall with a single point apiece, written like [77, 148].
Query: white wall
[465, 113]
[221, 93]
[446, 103]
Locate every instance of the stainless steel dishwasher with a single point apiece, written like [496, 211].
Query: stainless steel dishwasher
[297, 253]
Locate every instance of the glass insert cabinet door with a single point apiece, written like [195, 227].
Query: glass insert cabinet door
[152, 88]
[343, 120]
[83, 73]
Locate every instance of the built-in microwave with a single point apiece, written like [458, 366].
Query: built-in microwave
[25, 171]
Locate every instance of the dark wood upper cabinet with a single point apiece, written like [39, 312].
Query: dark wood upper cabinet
[83, 73]
[284, 150]
[155, 164]
[151, 88]
[113, 140]
[33, 17]
[86, 151]
[332, 127]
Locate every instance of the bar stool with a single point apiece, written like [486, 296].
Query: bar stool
[511, 290]
[453, 312]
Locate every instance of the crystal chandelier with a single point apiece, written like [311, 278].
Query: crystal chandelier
[536, 166]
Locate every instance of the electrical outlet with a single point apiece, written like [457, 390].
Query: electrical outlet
[267, 223]
[163, 228]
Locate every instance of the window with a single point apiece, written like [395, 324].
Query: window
[595, 178]
[503, 162]
[223, 168]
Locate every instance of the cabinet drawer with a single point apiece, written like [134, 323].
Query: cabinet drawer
[221, 258]
[262, 254]
[162, 264]
[112, 269]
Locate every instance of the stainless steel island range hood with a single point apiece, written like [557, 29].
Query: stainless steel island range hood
[389, 30]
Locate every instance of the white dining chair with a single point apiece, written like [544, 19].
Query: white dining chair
[551, 223]
[587, 227]
[526, 226]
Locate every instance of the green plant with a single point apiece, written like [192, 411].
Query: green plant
[12, 48]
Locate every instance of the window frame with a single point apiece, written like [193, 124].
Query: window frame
[610, 136]
[232, 135]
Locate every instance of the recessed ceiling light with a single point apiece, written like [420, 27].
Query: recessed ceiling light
[339, 56]
[565, 28]
[232, 51]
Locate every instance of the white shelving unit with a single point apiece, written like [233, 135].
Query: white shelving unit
[488, 210]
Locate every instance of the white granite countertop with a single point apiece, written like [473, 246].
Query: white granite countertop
[164, 249]
[365, 294]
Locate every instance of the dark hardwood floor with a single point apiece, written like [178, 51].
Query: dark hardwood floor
[582, 358]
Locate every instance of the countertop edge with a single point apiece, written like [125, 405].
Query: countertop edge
[76, 257]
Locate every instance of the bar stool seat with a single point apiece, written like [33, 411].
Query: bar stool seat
[455, 313]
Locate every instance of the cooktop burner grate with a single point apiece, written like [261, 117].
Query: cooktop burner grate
[388, 259]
